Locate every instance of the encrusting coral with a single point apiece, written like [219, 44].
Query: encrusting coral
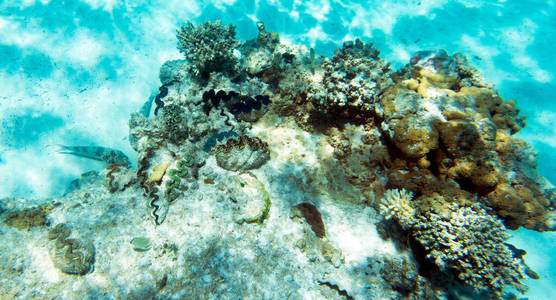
[30, 217]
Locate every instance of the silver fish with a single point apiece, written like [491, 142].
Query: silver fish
[108, 155]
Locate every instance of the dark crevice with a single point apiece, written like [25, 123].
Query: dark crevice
[335, 287]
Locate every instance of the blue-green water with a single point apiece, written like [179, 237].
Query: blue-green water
[71, 72]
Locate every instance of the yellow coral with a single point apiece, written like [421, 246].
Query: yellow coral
[158, 172]
[397, 203]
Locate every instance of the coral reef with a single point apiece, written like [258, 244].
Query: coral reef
[242, 154]
[430, 147]
[71, 256]
[441, 118]
[463, 239]
[470, 242]
[209, 47]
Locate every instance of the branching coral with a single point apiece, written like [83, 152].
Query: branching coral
[397, 204]
[470, 242]
[460, 238]
[209, 46]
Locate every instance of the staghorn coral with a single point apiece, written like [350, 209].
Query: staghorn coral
[471, 243]
[209, 47]
[71, 256]
[241, 154]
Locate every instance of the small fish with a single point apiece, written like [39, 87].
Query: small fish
[312, 56]
[108, 155]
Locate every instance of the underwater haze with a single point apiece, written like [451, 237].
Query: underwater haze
[73, 72]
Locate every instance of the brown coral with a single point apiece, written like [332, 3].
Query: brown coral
[27, 218]
[312, 216]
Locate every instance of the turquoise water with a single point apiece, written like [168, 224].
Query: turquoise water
[71, 72]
